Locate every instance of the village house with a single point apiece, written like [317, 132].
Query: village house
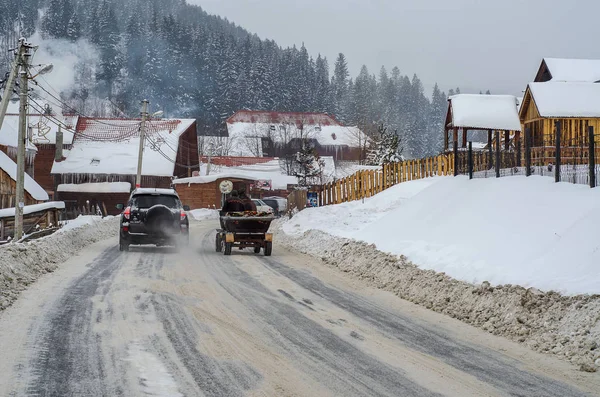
[564, 91]
[100, 168]
[277, 134]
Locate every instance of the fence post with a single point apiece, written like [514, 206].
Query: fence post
[528, 151]
[557, 152]
[592, 155]
[455, 152]
[497, 165]
[490, 148]
[470, 160]
[518, 145]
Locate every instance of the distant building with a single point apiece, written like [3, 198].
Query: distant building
[276, 134]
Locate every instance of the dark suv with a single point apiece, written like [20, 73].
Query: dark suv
[154, 216]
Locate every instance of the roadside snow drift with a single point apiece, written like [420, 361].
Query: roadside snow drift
[23, 264]
[514, 230]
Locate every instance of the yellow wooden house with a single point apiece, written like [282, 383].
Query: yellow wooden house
[575, 106]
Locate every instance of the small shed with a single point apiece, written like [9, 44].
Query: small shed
[34, 193]
[203, 191]
[575, 105]
[491, 113]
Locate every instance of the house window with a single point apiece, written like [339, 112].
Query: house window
[272, 128]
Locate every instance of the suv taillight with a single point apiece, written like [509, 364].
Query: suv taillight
[127, 213]
[182, 216]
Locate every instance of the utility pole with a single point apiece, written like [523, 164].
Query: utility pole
[138, 178]
[20, 196]
[10, 84]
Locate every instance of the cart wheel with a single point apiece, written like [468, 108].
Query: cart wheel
[268, 248]
[228, 247]
[257, 250]
[218, 243]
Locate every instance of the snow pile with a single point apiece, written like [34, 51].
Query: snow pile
[517, 230]
[478, 245]
[204, 214]
[497, 112]
[23, 264]
[82, 221]
[31, 186]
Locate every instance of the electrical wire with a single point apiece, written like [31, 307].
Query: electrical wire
[122, 137]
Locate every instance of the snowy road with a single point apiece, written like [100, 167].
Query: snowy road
[196, 323]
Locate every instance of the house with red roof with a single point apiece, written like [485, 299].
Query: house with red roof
[101, 165]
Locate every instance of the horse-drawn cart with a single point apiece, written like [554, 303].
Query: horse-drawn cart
[243, 230]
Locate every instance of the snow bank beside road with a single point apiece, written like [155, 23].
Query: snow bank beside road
[514, 230]
[568, 327]
[23, 264]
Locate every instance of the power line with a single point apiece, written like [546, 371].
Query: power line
[123, 136]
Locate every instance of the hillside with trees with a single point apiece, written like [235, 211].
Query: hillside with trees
[192, 64]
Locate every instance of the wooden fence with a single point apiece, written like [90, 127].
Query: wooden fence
[367, 183]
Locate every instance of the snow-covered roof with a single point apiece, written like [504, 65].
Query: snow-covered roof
[266, 171]
[9, 132]
[30, 209]
[566, 99]
[245, 139]
[111, 147]
[100, 187]
[31, 186]
[498, 112]
[573, 70]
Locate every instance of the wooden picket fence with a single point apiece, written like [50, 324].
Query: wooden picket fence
[367, 183]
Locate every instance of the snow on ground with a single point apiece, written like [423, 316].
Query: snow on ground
[513, 230]
[82, 221]
[22, 264]
[204, 213]
[470, 249]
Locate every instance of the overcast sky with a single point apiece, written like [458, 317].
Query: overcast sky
[473, 44]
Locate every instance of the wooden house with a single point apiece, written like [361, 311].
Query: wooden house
[104, 157]
[496, 114]
[574, 105]
[34, 193]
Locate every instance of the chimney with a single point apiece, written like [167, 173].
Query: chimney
[58, 151]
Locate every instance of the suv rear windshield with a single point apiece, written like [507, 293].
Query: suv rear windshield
[150, 200]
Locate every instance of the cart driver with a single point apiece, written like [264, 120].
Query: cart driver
[247, 201]
[233, 203]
